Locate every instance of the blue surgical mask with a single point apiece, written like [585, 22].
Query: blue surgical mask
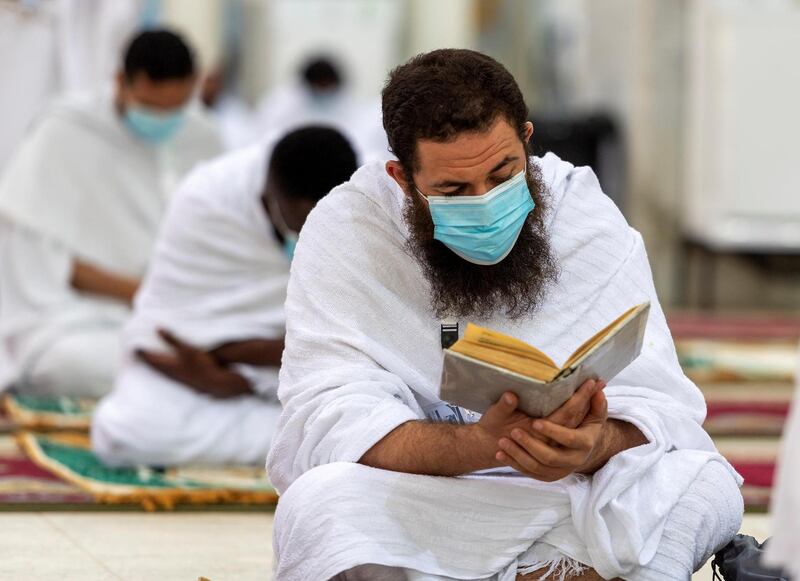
[289, 236]
[289, 244]
[151, 126]
[325, 98]
[482, 229]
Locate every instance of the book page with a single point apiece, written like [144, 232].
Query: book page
[603, 334]
[529, 367]
[500, 342]
[504, 351]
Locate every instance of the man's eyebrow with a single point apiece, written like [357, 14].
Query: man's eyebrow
[454, 184]
[508, 159]
[448, 184]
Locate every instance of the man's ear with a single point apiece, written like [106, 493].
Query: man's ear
[528, 131]
[395, 171]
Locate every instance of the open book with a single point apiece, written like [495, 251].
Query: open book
[484, 364]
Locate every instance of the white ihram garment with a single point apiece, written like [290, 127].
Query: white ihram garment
[218, 275]
[80, 186]
[363, 356]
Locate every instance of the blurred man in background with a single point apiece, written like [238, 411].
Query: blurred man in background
[203, 348]
[80, 204]
[322, 96]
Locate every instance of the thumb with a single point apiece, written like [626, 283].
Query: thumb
[504, 407]
[598, 407]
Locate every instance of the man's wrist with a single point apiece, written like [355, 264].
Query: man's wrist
[617, 436]
[482, 445]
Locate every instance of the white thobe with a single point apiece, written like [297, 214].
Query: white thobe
[80, 186]
[363, 356]
[218, 274]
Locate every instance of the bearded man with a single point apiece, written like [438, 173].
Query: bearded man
[466, 225]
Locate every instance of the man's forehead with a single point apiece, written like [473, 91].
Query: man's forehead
[166, 93]
[468, 152]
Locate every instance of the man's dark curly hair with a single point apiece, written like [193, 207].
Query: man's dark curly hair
[442, 93]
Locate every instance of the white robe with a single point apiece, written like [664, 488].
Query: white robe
[81, 186]
[363, 356]
[218, 274]
[784, 547]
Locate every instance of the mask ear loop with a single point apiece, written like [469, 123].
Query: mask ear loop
[423, 196]
[276, 214]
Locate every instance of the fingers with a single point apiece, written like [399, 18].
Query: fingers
[548, 454]
[524, 462]
[598, 411]
[179, 345]
[567, 437]
[509, 461]
[166, 363]
[581, 438]
[574, 410]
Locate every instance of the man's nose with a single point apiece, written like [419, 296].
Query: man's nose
[482, 188]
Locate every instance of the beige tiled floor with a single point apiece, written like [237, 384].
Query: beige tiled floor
[162, 547]
[134, 546]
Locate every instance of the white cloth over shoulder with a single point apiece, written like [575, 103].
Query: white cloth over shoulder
[784, 548]
[81, 186]
[363, 353]
[218, 274]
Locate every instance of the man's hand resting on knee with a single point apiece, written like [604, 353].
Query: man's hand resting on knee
[195, 368]
[575, 438]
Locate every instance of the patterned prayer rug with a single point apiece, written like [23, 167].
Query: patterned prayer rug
[747, 408]
[68, 456]
[746, 367]
[728, 360]
[48, 412]
[754, 459]
[24, 485]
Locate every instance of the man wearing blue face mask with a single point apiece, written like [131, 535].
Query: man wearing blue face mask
[466, 225]
[199, 378]
[80, 203]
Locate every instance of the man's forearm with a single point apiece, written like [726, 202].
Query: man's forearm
[259, 352]
[619, 436]
[436, 449]
[88, 278]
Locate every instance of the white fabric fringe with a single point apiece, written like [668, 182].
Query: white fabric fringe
[558, 570]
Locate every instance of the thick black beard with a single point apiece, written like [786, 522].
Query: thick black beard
[514, 286]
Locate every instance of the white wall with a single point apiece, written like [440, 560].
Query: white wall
[440, 24]
[201, 22]
[743, 185]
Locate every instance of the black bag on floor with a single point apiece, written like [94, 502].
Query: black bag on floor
[740, 560]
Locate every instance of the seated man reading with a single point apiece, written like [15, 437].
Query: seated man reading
[465, 225]
[203, 346]
[80, 205]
